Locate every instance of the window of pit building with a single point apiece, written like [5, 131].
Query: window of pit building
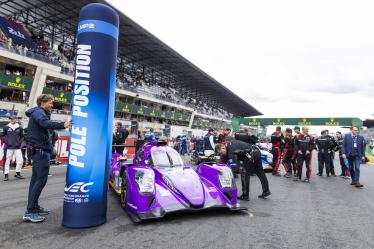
[12, 67]
[13, 95]
[61, 90]
[16, 79]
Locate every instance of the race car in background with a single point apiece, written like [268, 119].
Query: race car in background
[157, 182]
[266, 156]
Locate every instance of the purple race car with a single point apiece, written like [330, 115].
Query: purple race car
[158, 183]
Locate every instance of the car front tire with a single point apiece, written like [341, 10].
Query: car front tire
[124, 190]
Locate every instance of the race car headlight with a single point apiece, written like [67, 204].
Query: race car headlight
[270, 158]
[145, 180]
[225, 178]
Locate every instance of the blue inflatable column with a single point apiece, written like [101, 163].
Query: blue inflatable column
[85, 197]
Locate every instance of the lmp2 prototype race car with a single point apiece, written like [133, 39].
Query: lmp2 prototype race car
[157, 183]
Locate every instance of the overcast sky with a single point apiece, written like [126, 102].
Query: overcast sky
[286, 58]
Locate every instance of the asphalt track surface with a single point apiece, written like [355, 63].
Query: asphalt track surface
[326, 213]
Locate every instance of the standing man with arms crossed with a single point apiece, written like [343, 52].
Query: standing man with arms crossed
[39, 136]
[304, 144]
[353, 150]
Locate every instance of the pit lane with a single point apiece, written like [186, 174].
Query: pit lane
[327, 213]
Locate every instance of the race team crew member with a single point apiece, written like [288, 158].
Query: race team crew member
[277, 141]
[304, 144]
[150, 135]
[324, 147]
[209, 143]
[287, 153]
[119, 136]
[13, 138]
[222, 137]
[332, 153]
[294, 156]
[345, 171]
[251, 157]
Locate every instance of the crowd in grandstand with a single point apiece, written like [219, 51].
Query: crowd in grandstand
[41, 48]
[128, 78]
[135, 81]
[57, 86]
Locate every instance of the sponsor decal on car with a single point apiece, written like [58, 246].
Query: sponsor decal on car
[164, 192]
[132, 205]
[212, 190]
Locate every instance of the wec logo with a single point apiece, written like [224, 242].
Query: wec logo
[78, 186]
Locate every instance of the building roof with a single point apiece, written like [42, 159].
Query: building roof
[59, 19]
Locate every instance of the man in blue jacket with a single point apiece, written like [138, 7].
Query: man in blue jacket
[39, 136]
[353, 150]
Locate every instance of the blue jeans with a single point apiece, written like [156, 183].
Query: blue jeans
[354, 167]
[40, 170]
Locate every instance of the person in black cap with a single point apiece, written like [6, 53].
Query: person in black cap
[13, 137]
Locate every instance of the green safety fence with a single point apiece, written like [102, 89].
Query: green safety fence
[150, 112]
[236, 122]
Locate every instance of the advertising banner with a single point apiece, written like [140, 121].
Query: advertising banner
[85, 197]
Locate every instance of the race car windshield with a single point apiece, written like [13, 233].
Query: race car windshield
[164, 158]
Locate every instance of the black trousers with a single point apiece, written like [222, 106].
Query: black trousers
[118, 148]
[332, 158]
[23, 150]
[4, 159]
[40, 170]
[294, 161]
[324, 161]
[251, 166]
[301, 158]
[276, 158]
[28, 158]
[287, 160]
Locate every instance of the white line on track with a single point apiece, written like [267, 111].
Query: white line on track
[54, 166]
